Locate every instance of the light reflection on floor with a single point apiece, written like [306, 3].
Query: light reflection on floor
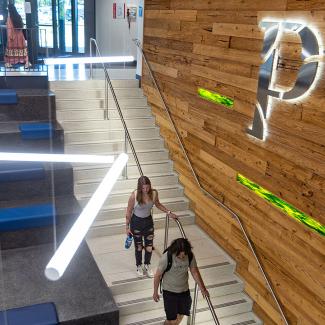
[70, 72]
[80, 72]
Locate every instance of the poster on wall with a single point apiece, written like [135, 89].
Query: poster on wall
[132, 13]
[118, 10]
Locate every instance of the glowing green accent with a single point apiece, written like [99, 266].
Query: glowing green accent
[284, 206]
[215, 98]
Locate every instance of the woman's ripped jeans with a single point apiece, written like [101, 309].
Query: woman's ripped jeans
[143, 232]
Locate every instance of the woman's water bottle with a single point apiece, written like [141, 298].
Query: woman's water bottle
[128, 241]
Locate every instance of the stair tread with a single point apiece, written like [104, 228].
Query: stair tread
[70, 144]
[101, 166]
[99, 130]
[220, 302]
[128, 191]
[113, 118]
[97, 180]
[147, 293]
[239, 319]
[116, 221]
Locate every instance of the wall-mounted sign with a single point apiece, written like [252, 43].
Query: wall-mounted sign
[132, 12]
[118, 10]
[140, 11]
[306, 75]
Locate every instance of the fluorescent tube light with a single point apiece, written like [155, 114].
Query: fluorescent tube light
[62, 257]
[11, 156]
[104, 59]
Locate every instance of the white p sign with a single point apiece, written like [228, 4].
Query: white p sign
[306, 76]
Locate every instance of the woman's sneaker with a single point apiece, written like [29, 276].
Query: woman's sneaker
[148, 270]
[140, 271]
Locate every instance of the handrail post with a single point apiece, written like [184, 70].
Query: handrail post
[106, 100]
[166, 231]
[125, 151]
[195, 298]
[91, 54]
[231, 212]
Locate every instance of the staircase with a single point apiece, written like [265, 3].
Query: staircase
[80, 111]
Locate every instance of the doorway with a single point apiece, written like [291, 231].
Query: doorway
[61, 26]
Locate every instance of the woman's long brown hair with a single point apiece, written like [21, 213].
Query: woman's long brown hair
[143, 180]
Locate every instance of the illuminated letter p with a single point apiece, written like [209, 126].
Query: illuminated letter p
[306, 75]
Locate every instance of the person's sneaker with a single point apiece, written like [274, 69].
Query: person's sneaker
[140, 271]
[148, 270]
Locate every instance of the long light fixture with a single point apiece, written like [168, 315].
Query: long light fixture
[12, 156]
[63, 255]
[89, 59]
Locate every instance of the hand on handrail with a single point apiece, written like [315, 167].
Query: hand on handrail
[173, 215]
[205, 293]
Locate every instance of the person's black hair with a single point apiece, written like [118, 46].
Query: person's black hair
[16, 19]
[180, 245]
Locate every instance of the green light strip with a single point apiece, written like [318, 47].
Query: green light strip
[284, 206]
[215, 98]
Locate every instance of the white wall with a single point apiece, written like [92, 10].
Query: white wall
[113, 35]
[140, 21]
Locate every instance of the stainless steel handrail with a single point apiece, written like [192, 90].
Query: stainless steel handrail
[230, 211]
[196, 288]
[127, 134]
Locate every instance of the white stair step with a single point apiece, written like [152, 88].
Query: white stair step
[115, 146]
[100, 135]
[90, 185]
[98, 113]
[97, 93]
[98, 171]
[117, 226]
[116, 210]
[112, 124]
[86, 84]
[165, 193]
[62, 104]
[212, 271]
[225, 306]
[239, 319]
[142, 299]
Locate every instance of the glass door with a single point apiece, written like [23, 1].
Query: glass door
[47, 26]
[61, 26]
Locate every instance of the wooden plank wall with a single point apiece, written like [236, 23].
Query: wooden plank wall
[216, 44]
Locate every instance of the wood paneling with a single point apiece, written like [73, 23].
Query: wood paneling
[216, 44]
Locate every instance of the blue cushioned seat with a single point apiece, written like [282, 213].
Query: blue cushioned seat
[8, 96]
[40, 314]
[20, 171]
[29, 216]
[33, 131]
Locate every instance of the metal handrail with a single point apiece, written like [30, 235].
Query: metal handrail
[205, 192]
[109, 82]
[196, 288]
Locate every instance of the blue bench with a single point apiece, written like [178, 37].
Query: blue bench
[34, 131]
[21, 171]
[40, 314]
[8, 96]
[24, 217]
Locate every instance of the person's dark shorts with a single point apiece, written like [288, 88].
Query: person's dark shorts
[177, 303]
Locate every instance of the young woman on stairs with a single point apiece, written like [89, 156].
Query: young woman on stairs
[139, 222]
